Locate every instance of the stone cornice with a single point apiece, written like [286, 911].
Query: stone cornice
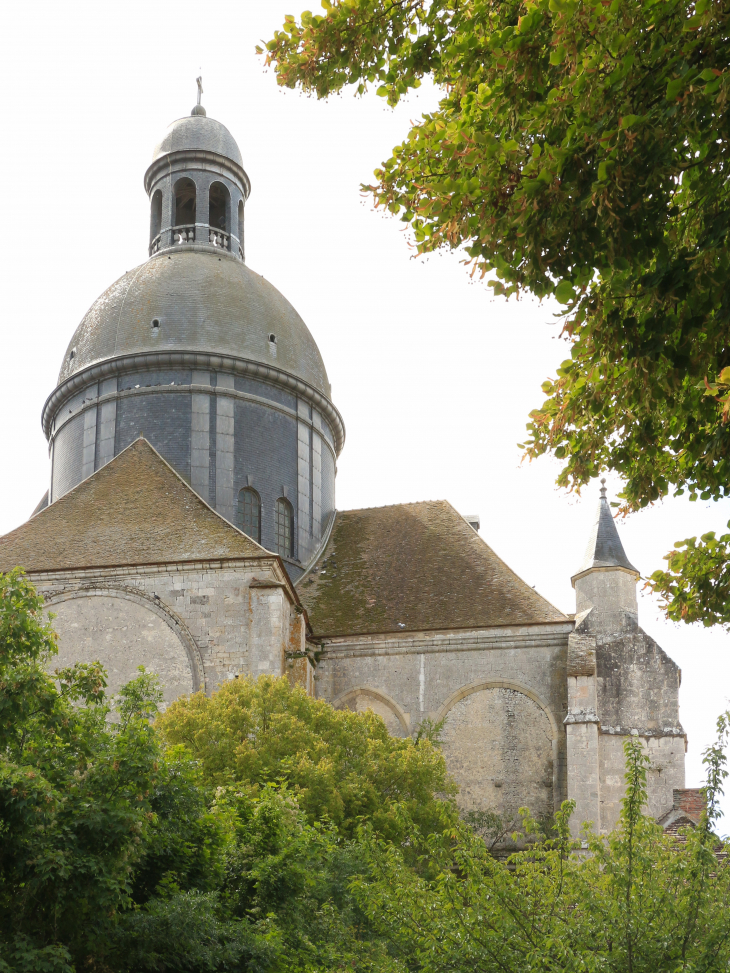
[542, 635]
[192, 159]
[194, 360]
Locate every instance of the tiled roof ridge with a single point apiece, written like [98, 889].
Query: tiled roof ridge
[502, 560]
[389, 506]
[197, 496]
[135, 510]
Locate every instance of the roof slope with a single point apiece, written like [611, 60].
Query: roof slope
[414, 567]
[135, 510]
[205, 302]
[604, 549]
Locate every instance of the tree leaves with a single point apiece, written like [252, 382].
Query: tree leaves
[581, 149]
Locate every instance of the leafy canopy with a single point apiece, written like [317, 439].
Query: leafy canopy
[580, 150]
[342, 766]
[116, 857]
[638, 902]
[74, 791]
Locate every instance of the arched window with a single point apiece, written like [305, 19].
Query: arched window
[284, 528]
[184, 213]
[155, 216]
[249, 513]
[240, 228]
[219, 208]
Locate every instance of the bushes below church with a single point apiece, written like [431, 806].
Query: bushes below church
[262, 832]
[342, 766]
[121, 854]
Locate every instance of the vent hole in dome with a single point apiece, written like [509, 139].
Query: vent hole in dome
[155, 324]
[73, 354]
[272, 339]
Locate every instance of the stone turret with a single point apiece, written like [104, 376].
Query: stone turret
[620, 684]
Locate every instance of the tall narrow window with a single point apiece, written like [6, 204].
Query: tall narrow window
[240, 228]
[249, 513]
[155, 216]
[219, 207]
[284, 528]
[184, 215]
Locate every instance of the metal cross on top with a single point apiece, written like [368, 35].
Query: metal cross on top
[199, 82]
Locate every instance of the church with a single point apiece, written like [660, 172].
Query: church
[190, 526]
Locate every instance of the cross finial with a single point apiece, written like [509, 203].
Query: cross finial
[603, 488]
[199, 82]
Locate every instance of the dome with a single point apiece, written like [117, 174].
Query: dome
[198, 132]
[203, 303]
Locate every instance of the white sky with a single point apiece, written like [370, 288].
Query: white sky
[434, 376]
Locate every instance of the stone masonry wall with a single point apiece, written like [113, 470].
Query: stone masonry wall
[620, 684]
[502, 693]
[195, 624]
[666, 772]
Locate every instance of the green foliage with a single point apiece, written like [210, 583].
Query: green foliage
[636, 900]
[74, 791]
[342, 766]
[116, 857]
[580, 149]
[120, 856]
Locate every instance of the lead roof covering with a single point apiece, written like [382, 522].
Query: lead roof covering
[203, 303]
[414, 567]
[198, 132]
[135, 510]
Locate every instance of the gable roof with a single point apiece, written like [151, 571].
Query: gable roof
[414, 567]
[604, 549]
[135, 510]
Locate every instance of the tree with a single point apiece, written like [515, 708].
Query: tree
[275, 899]
[342, 766]
[580, 150]
[74, 792]
[116, 857]
[635, 901]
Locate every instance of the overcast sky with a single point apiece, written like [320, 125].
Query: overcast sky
[434, 377]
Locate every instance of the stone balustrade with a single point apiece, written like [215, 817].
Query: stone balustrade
[192, 233]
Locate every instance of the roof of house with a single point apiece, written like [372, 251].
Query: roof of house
[604, 549]
[135, 510]
[414, 567]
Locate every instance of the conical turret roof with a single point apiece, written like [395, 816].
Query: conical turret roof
[604, 549]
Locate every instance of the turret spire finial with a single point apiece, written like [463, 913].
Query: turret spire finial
[603, 488]
[198, 109]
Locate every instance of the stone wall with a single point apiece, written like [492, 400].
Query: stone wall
[194, 624]
[620, 684]
[502, 694]
[666, 772]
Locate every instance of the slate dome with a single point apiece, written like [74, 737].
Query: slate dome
[203, 303]
[198, 132]
[206, 359]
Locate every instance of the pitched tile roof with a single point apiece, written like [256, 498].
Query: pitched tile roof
[414, 567]
[135, 510]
